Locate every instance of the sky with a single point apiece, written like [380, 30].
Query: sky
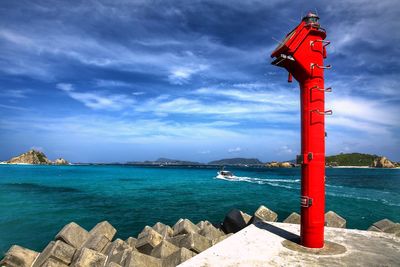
[118, 80]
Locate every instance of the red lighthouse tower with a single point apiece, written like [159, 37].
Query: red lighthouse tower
[302, 54]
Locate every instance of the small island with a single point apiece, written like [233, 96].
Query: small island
[35, 157]
[360, 160]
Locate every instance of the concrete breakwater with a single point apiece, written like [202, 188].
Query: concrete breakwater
[159, 246]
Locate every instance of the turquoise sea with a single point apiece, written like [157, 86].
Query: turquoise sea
[37, 201]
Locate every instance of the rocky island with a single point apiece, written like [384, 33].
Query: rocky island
[360, 160]
[35, 157]
[284, 164]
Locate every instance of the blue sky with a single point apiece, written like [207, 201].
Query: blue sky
[105, 81]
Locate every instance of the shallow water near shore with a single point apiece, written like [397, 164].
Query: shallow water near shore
[37, 201]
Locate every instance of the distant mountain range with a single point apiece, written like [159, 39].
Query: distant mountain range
[236, 161]
[231, 161]
[349, 159]
[165, 161]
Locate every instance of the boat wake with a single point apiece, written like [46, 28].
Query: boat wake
[273, 182]
[331, 190]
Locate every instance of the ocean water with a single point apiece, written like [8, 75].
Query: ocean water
[37, 201]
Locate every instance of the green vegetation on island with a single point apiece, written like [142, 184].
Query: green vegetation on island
[236, 161]
[351, 159]
[359, 159]
[35, 157]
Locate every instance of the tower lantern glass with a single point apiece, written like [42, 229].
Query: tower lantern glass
[311, 18]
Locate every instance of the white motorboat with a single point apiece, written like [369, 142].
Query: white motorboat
[225, 175]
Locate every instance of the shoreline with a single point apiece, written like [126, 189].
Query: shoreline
[189, 166]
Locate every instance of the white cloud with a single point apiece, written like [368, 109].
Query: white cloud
[369, 115]
[12, 107]
[234, 150]
[228, 109]
[181, 75]
[285, 99]
[276, 105]
[124, 130]
[15, 38]
[285, 150]
[138, 93]
[33, 52]
[97, 100]
[255, 85]
[111, 83]
[16, 93]
[67, 87]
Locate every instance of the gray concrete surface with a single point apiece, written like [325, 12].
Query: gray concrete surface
[263, 244]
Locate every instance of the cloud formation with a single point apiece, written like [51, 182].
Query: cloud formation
[191, 76]
[97, 100]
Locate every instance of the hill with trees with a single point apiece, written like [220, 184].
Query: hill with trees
[236, 161]
[351, 159]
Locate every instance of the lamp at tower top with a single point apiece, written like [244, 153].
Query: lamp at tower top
[311, 19]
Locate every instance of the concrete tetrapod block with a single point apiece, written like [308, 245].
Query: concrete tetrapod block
[383, 224]
[386, 226]
[219, 239]
[115, 246]
[148, 240]
[137, 259]
[50, 262]
[58, 250]
[164, 249]
[18, 256]
[294, 218]
[89, 258]
[145, 230]
[163, 229]
[113, 264]
[96, 242]
[374, 229]
[131, 241]
[179, 256]
[334, 220]
[235, 221]
[185, 226]
[104, 228]
[194, 242]
[246, 217]
[210, 232]
[106, 248]
[119, 257]
[176, 240]
[201, 224]
[73, 235]
[264, 214]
